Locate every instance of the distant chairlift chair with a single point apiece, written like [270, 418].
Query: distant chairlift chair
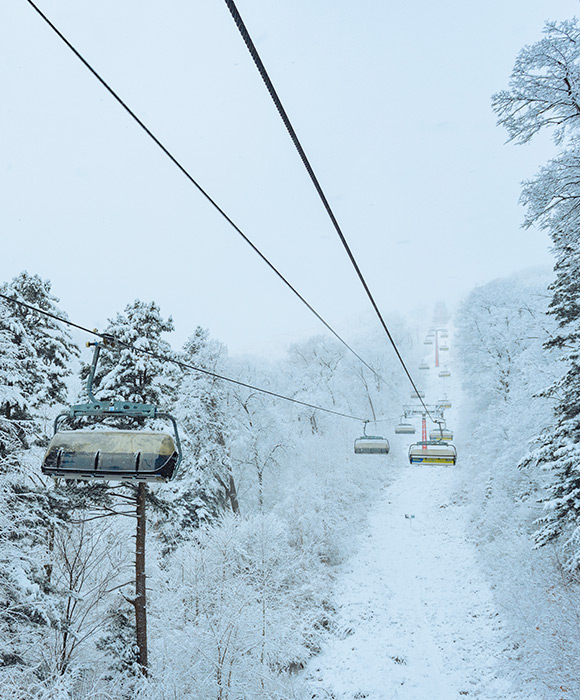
[405, 428]
[371, 444]
[432, 452]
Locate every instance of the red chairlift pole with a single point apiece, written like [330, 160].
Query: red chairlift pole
[424, 432]
[436, 347]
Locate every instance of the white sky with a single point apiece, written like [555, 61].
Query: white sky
[391, 101]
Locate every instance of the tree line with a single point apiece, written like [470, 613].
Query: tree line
[235, 593]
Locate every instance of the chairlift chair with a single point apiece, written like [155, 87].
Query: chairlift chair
[444, 403]
[107, 454]
[371, 444]
[444, 373]
[432, 452]
[404, 428]
[424, 365]
[419, 394]
[441, 434]
[444, 348]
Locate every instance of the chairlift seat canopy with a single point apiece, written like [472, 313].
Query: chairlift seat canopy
[371, 445]
[111, 454]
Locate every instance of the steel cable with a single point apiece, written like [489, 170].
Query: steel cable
[202, 191]
[179, 363]
[295, 140]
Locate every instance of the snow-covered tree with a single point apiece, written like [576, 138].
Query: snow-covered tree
[243, 603]
[124, 374]
[544, 92]
[204, 481]
[35, 360]
[316, 372]
[47, 348]
[15, 351]
[544, 87]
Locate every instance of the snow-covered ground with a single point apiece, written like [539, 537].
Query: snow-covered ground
[417, 617]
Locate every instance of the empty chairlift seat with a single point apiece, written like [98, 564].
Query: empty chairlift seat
[111, 454]
[432, 452]
[371, 445]
[424, 365]
[405, 429]
[444, 373]
[419, 394]
[441, 434]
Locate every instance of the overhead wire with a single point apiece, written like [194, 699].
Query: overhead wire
[179, 363]
[296, 141]
[202, 191]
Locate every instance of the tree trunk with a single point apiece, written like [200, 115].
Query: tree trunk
[233, 494]
[140, 602]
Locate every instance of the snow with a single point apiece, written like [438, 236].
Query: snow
[417, 618]
[416, 614]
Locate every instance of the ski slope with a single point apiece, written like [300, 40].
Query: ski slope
[417, 619]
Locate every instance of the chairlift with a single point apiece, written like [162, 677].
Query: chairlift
[428, 341]
[441, 434]
[444, 403]
[371, 444]
[424, 365]
[432, 452]
[444, 373]
[419, 394]
[108, 454]
[405, 428]
[444, 348]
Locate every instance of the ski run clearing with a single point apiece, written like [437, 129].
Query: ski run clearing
[416, 615]
[417, 618]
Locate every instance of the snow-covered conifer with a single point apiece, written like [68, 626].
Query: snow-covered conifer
[35, 360]
[125, 374]
[46, 347]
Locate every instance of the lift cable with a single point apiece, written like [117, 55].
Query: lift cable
[179, 363]
[216, 206]
[287, 123]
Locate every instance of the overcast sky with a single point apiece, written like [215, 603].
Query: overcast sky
[391, 101]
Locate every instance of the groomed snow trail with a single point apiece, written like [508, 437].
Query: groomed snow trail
[417, 619]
